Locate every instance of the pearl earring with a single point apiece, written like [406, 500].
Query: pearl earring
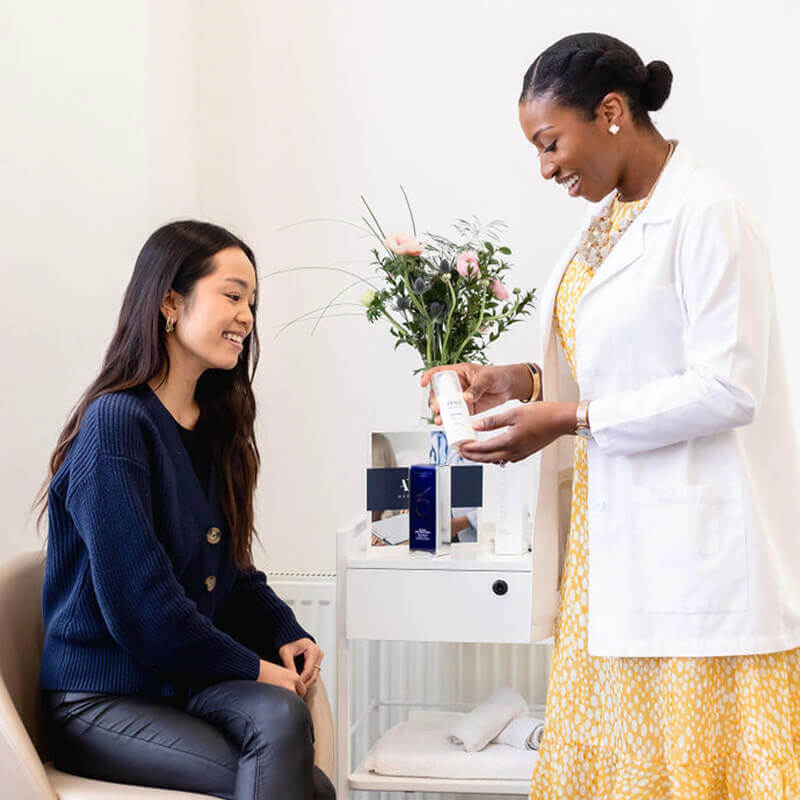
[613, 129]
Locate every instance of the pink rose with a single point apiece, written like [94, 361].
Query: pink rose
[498, 290]
[403, 244]
[468, 264]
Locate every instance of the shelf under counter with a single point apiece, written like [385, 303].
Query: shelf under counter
[360, 779]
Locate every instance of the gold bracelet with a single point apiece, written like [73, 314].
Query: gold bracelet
[536, 380]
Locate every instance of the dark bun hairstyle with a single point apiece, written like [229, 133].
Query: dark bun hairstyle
[580, 70]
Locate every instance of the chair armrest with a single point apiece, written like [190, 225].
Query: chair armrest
[322, 718]
[23, 776]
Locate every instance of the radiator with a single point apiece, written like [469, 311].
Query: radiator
[411, 673]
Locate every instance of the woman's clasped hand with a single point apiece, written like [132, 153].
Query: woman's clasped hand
[284, 677]
[287, 676]
[528, 428]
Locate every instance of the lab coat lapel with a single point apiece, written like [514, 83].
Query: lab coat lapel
[627, 250]
[661, 207]
[549, 293]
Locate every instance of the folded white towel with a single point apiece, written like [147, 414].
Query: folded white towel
[477, 728]
[524, 733]
[420, 748]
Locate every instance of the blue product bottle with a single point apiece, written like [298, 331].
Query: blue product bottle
[429, 509]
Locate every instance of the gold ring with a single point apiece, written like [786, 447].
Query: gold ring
[317, 666]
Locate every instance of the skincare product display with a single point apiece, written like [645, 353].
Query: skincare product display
[452, 407]
[387, 483]
[488, 505]
[429, 509]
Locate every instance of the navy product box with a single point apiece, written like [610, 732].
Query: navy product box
[429, 509]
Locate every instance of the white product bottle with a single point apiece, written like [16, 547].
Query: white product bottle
[452, 407]
[513, 503]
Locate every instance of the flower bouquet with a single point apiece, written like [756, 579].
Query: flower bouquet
[444, 297]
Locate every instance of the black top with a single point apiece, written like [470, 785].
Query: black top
[198, 446]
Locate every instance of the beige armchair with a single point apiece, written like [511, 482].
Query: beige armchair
[25, 773]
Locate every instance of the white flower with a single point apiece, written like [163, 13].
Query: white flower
[367, 298]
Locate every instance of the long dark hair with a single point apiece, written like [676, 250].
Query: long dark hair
[176, 256]
[581, 69]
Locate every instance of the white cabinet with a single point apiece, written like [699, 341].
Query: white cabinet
[384, 593]
[439, 605]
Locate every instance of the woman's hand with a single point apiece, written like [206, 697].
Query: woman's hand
[484, 386]
[281, 676]
[530, 428]
[312, 659]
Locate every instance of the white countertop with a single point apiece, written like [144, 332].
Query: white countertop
[462, 556]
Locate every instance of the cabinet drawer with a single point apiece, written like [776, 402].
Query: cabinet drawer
[438, 606]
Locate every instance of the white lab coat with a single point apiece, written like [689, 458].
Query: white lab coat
[694, 465]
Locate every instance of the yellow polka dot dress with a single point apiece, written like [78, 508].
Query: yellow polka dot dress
[723, 728]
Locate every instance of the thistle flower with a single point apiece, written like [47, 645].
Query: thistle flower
[435, 310]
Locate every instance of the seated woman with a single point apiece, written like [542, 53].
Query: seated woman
[168, 661]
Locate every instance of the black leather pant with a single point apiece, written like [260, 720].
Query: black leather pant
[239, 740]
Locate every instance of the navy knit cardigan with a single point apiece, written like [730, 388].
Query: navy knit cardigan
[140, 595]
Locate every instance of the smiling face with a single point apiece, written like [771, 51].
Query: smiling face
[214, 319]
[577, 152]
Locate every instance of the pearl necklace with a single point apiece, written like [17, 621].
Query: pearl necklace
[598, 239]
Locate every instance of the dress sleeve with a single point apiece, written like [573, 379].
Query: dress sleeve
[727, 294]
[142, 602]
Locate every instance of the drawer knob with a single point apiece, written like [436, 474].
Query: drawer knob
[500, 587]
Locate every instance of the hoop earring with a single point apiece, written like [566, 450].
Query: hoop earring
[170, 325]
[613, 129]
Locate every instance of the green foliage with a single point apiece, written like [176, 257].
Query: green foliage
[445, 316]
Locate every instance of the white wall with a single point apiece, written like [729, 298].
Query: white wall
[260, 114]
[97, 148]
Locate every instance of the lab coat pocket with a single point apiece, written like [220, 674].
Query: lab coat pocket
[691, 545]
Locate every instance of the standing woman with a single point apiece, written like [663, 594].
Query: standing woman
[676, 610]
[168, 661]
